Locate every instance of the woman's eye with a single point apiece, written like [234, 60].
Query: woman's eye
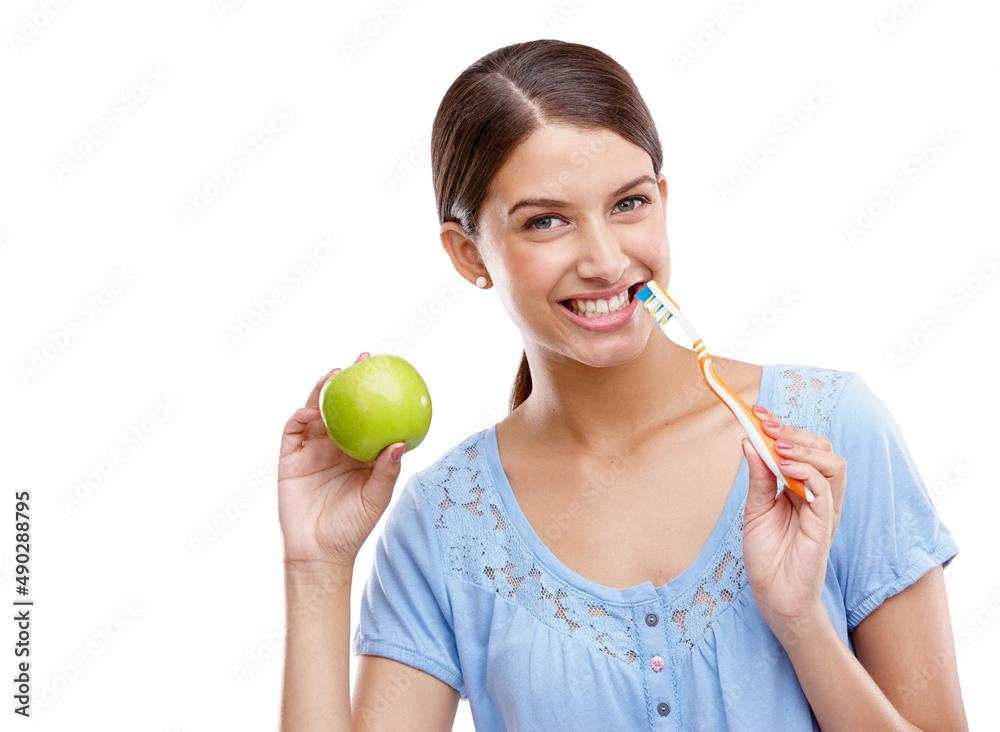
[542, 223]
[631, 203]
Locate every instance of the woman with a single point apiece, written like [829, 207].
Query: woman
[611, 556]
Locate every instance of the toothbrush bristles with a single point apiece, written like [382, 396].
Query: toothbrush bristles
[653, 305]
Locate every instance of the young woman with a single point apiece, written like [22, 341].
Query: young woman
[611, 555]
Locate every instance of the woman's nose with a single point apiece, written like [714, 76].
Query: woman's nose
[601, 256]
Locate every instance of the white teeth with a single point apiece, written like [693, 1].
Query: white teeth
[594, 308]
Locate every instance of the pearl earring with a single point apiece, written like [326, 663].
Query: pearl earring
[481, 282]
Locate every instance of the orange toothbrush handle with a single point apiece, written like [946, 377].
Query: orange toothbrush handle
[751, 418]
[794, 483]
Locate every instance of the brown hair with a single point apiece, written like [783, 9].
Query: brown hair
[505, 96]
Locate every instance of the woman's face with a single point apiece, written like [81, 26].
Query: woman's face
[573, 219]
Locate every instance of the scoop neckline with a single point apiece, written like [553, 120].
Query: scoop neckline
[644, 591]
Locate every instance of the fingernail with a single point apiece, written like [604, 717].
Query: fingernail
[786, 463]
[772, 424]
[398, 453]
[784, 444]
[759, 409]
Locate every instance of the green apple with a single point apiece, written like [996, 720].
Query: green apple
[375, 403]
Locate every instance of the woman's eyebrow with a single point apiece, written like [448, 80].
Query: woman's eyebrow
[554, 203]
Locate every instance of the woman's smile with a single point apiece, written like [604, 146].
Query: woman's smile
[602, 310]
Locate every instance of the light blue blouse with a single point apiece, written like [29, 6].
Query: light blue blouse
[463, 588]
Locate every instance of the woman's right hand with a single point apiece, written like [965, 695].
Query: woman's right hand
[328, 502]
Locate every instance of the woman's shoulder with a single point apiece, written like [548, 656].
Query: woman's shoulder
[442, 499]
[454, 473]
[809, 396]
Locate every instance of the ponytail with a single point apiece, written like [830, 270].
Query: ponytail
[522, 384]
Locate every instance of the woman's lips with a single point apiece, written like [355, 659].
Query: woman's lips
[610, 321]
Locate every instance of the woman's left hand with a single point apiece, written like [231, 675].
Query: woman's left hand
[786, 541]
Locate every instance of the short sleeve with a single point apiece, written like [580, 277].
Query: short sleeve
[405, 610]
[889, 533]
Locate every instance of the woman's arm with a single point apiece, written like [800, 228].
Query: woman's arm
[388, 695]
[786, 547]
[328, 504]
[907, 646]
[317, 683]
[904, 677]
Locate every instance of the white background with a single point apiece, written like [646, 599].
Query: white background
[203, 613]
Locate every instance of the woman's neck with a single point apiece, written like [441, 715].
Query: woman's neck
[602, 410]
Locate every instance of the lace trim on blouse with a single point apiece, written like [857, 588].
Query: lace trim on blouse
[479, 543]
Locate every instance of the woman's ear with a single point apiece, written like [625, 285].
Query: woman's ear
[463, 252]
[661, 182]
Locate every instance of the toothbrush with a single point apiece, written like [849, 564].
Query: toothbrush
[657, 302]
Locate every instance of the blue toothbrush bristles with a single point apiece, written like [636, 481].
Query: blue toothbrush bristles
[649, 301]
